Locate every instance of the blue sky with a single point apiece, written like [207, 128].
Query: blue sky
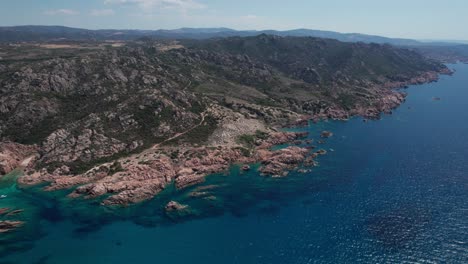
[420, 19]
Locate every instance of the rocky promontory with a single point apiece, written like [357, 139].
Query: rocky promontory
[119, 124]
[142, 176]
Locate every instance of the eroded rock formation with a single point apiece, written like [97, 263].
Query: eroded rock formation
[142, 176]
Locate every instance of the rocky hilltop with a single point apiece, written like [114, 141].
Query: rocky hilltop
[128, 119]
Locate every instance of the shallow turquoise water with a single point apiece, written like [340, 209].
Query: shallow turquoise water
[394, 190]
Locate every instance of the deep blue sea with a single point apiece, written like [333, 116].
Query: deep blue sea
[388, 191]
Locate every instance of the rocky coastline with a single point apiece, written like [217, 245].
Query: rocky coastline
[122, 124]
[140, 177]
[388, 98]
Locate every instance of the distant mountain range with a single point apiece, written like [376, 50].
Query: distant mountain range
[60, 33]
[42, 33]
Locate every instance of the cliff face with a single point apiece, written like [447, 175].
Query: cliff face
[89, 103]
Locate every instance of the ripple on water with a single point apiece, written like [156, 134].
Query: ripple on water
[396, 228]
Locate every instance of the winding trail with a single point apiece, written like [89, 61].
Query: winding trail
[181, 133]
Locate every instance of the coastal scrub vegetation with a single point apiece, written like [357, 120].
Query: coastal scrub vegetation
[100, 102]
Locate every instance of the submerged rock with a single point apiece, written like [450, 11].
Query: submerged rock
[210, 198]
[6, 226]
[175, 206]
[197, 194]
[321, 152]
[15, 212]
[4, 210]
[177, 211]
[326, 134]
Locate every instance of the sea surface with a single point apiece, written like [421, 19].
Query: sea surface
[388, 191]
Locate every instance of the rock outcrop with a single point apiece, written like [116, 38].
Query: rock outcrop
[176, 211]
[142, 176]
[63, 147]
[12, 154]
[326, 134]
[174, 206]
[278, 163]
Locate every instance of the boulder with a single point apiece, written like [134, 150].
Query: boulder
[174, 206]
[326, 134]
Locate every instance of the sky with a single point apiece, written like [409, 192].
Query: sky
[416, 19]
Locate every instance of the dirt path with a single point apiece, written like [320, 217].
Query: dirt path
[186, 131]
[181, 133]
[26, 161]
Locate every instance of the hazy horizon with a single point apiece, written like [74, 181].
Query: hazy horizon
[461, 41]
[417, 19]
